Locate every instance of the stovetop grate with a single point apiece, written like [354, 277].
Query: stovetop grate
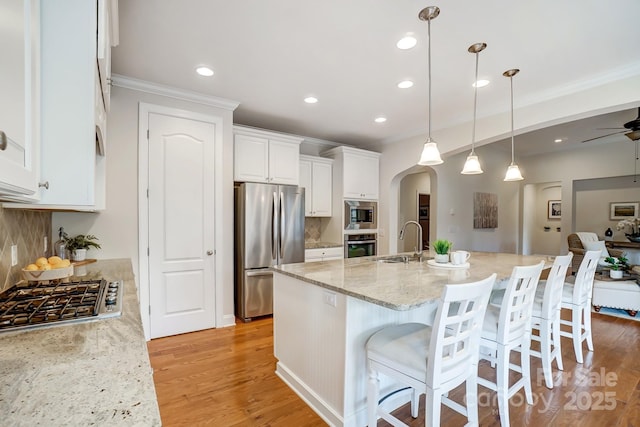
[41, 303]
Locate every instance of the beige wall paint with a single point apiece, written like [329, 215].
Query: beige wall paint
[548, 242]
[117, 226]
[410, 186]
[595, 196]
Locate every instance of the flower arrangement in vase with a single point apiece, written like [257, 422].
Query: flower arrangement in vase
[631, 224]
[441, 248]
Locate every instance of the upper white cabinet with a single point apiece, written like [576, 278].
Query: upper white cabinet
[262, 156]
[106, 39]
[73, 108]
[20, 97]
[315, 177]
[356, 172]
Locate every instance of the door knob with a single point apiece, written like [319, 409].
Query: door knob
[209, 252]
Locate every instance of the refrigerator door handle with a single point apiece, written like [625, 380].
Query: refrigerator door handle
[282, 225]
[273, 226]
[259, 273]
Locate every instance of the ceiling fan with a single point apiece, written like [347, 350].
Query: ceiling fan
[632, 129]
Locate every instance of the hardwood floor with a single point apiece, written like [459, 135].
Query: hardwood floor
[225, 377]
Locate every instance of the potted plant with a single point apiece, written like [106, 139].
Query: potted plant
[617, 266]
[79, 244]
[441, 247]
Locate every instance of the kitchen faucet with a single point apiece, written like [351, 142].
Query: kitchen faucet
[417, 252]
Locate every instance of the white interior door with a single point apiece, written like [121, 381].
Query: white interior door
[181, 225]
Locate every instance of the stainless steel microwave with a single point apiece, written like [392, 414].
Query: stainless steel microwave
[359, 215]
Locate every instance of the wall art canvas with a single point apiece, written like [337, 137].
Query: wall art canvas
[485, 210]
[623, 210]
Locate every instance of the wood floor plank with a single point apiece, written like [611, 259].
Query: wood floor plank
[226, 377]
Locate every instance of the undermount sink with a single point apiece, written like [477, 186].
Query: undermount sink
[400, 258]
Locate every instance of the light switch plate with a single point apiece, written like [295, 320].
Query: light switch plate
[330, 298]
[14, 255]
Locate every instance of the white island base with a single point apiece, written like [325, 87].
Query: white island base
[319, 341]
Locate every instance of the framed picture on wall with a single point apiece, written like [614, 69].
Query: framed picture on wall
[623, 210]
[554, 210]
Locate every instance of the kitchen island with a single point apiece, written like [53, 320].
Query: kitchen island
[81, 374]
[325, 312]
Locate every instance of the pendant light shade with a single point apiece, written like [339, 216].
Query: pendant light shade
[430, 154]
[472, 165]
[513, 171]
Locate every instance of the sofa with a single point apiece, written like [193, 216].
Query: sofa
[575, 246]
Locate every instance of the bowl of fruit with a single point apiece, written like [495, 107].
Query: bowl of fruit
[51, 268]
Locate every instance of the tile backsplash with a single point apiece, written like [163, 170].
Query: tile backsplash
[312, 229]
[26, 229]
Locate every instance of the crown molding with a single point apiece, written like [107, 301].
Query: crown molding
[172, 92]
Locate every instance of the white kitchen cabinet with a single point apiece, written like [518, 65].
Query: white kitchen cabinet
[316, 178]
[20, 99]
[356, 171]
[323, 254]
[74, 117]
[263, 156]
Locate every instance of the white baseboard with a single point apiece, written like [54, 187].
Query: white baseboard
[310, 398]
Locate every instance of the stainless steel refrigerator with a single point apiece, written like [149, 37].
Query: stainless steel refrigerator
[269, 230]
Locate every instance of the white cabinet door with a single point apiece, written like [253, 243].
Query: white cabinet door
[323, 254]
[361, 176]
[322, 194]
[251, 158]
[316, 178]
[283, 162]
[306, 182]
[20, 99]
[69, 76]
[265, 156]
[106, 39]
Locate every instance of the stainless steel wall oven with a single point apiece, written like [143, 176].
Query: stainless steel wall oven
[357, 245]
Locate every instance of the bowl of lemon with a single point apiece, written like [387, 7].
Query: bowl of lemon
[51, 268]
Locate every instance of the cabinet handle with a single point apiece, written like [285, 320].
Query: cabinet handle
[44, 184]
[3, 141]
[209, 252]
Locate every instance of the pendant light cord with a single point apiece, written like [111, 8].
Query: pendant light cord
[475, 107]
[511, 82]
[429, 73]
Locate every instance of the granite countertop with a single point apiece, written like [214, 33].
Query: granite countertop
[81, 374]
[403, 286]
[322, 245]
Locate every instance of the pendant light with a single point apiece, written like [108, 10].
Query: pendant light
[513, 171]
[430, 153]
[472, 165]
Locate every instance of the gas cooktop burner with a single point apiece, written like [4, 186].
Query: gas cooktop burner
[39, 304]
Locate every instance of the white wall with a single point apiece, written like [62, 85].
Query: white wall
[117, 226]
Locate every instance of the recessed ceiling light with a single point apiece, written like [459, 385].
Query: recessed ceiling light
[407, 42]
[380, 119]
[405, 84]
[557, 140]
[481, 83]
[204, 71]
[311, 100]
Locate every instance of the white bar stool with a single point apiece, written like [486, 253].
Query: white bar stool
[432, 360]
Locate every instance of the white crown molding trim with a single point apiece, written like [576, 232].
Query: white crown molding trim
[173, 92]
